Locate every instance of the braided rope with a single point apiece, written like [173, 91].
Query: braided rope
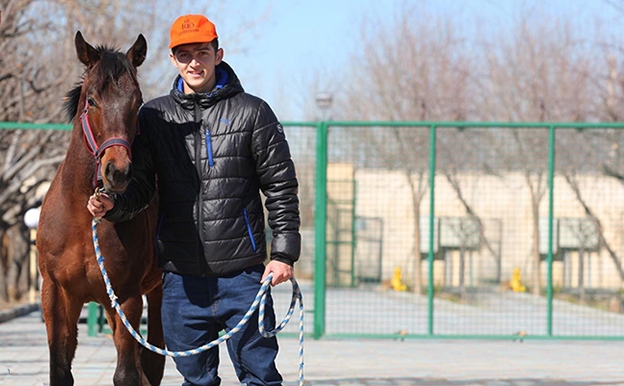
[259, 302]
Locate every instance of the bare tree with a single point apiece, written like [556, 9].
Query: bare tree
[422, 68]
[28, 88]
[416, 68]
[540, 73]
[38, 66]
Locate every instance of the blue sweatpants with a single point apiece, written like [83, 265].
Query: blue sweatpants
[195, 309]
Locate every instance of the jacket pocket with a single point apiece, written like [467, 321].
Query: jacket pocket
[253, 242]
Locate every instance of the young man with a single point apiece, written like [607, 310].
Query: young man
[209, 148]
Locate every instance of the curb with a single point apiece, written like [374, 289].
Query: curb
[17, 311]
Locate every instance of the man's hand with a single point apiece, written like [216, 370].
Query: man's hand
[99, 204]
[281, 272]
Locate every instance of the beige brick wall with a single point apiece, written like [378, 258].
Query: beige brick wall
[503, 204]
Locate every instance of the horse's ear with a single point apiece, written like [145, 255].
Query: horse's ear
[137, 52]
[86, 53]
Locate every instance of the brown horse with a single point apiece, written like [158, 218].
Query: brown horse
[104, 110]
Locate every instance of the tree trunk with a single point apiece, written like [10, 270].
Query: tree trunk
[535, 250]
[418, 282]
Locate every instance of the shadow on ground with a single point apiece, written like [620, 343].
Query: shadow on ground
[446, 382]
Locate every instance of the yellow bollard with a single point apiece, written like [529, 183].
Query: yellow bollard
[397, 282]
[516, 281]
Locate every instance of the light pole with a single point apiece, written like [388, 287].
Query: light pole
[31, 219]
[324, 101]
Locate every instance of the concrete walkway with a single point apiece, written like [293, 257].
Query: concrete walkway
[24, 360]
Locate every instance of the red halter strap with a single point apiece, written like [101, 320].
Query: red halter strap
[92, 146]
[91, 143]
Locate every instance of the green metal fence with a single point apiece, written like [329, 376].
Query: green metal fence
[452, 224]
[459, 229]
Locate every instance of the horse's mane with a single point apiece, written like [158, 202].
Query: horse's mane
[111, 66]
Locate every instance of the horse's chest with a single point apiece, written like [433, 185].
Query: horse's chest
[72, 254]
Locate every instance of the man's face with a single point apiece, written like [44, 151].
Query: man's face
[196, 64]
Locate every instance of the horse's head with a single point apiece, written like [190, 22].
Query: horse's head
[110, 97]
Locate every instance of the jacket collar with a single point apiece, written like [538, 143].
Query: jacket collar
[227, 86]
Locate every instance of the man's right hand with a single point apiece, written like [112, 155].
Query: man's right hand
[99, 204]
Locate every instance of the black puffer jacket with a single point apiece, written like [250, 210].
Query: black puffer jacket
[211, 154]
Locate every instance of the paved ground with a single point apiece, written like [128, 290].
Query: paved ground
[488, 312]
[24, 356]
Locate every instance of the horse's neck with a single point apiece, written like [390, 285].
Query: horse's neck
[79, 168]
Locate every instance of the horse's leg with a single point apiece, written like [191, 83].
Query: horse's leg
[128, 371]
[61, 320]
[154, 364]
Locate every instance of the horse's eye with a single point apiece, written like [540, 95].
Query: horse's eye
[90, 102]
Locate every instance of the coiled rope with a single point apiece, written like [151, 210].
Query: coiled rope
[259, 302]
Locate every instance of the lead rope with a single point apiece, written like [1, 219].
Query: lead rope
[259, 301]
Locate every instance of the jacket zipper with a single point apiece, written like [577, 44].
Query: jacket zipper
[200, 201]
[209, 148]
[253, 242]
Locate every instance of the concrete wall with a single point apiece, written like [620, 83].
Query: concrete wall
[503, 203]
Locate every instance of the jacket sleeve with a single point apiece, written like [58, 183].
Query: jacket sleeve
[142, 187]
[278, 182]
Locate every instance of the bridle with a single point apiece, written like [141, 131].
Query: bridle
[95, 150]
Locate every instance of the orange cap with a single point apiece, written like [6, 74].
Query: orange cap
[192, 29]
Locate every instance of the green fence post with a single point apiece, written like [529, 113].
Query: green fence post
[92, 319]
[430, 256]
[320, 230]
[551, 183]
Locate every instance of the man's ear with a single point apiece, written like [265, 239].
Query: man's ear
[219, 56]
[172, 59]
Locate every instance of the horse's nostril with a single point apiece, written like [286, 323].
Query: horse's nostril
[117, 176]
[129, 171]
[110, 171]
